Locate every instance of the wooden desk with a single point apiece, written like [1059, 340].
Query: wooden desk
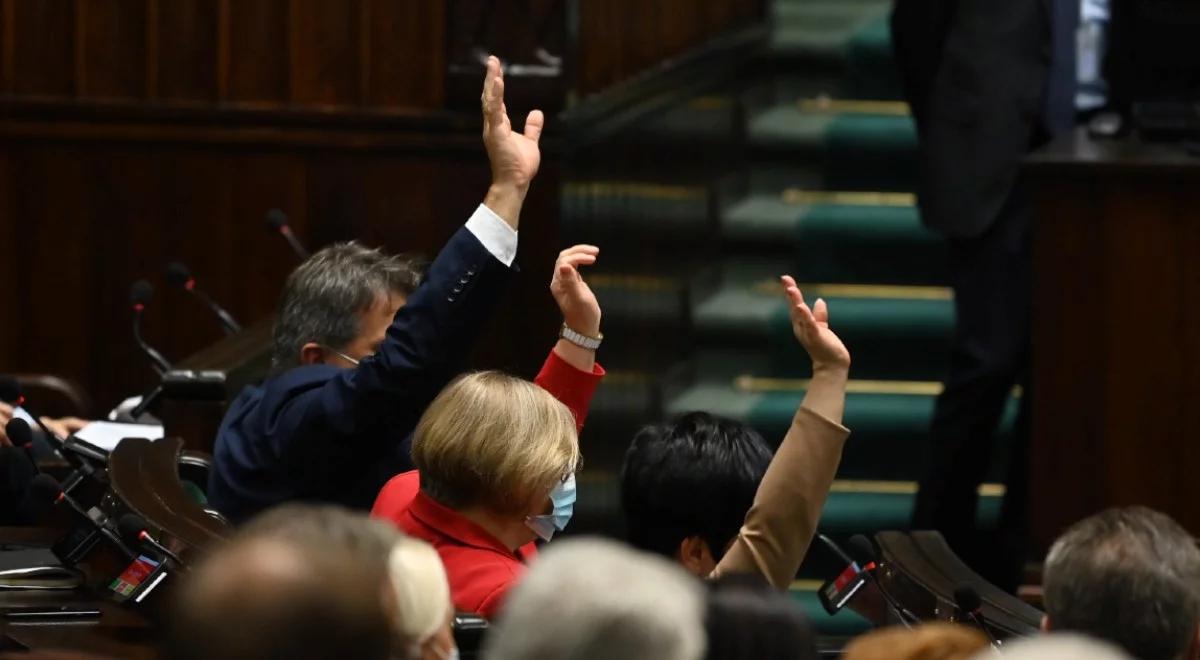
[119, 632]
[1116, 331]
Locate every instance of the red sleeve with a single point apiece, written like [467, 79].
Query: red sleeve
[574, 388]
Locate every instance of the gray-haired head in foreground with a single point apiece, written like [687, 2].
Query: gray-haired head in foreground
[1064, 646]
[1127, 575]
[592, 599]
[324, 297]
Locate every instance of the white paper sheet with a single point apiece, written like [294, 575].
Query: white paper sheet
[106, 435]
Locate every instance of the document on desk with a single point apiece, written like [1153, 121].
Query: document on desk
[106, 435]
[35, 569]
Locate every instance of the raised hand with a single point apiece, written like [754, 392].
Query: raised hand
[811, 327]
[514, 156]
[580, 309]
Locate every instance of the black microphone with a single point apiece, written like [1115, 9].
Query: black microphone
[863, 551]
[21, 436]
[139, 296]
[278, 221]
[10, 393]
[45, 488]
[133, 528]
[180, 277]
[971, 605]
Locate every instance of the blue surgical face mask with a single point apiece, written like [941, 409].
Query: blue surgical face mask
[563, 499]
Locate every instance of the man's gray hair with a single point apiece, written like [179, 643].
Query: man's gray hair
[1065, 646]
[323, 298]
[591, 599]
[1127, 575]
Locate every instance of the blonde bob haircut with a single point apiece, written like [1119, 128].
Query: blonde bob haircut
[493, 440]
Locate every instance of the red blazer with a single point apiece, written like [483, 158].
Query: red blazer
[479, 567]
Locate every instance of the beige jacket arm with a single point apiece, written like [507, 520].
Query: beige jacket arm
[780, 525]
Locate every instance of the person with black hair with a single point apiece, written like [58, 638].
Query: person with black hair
[706, 491]
[747, 620]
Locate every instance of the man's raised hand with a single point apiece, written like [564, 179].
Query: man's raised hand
[514, 156]
[811, 327]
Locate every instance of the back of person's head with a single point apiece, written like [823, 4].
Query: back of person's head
[363, 540]
[422, 608]
[1127, 575]
[269, 599]
[1057, 646]
[928, 641]
[325, 297]
[496, 441]
[747, 620]
[693, 478]
[592, 599]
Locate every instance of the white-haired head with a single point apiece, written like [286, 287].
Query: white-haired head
[589, 599]
[422, 592]
[1057, 646]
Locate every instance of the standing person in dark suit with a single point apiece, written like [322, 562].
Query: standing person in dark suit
[354, 369]
[987, 81]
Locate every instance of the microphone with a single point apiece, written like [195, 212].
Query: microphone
[20, 435]
[10, 393]
[971, 605]
[837, 592]
[863, 551]
[139, 296]
[180, 277]
[278, 221]
[133, 528]
[45, 488]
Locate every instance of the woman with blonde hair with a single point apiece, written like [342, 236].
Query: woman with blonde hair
[496, 456]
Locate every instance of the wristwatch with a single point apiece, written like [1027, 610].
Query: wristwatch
[579, 339]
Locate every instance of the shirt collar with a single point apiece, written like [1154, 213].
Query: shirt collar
[453, 524]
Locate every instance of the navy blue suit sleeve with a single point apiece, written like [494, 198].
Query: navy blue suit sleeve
[378, 403]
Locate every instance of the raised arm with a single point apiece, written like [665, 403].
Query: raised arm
[571, 373]
[787, 507]
[432, 334]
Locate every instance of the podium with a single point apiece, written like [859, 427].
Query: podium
[1116, 331]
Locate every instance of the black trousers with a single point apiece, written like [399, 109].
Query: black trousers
[992, 279]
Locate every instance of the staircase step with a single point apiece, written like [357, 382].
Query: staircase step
[893, 332]
[608, 212]
[856, 149]
[889, 420]
[645, 320]
[842, 236]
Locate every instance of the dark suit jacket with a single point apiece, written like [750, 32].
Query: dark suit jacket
[975, 74]
[337, 435]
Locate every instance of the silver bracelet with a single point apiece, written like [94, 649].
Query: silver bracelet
[579, 339]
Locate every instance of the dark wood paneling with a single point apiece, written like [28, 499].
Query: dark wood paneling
[110, 49]
[324, 50]
[620, 38]
[257, 59]
[407, 61]
[42, 38]
[184, 60]
[1116, 334]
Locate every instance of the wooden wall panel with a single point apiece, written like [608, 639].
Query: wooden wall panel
[110, 49]
[408, 54]
[256, 61]
[184, 60]
[41, 40]
[324, 47]
[621, 38]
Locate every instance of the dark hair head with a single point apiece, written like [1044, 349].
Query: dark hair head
[747, 620]
[1127, 575]
[695, 476]
[324, 297]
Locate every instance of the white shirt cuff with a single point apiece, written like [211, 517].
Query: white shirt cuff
[496, 235]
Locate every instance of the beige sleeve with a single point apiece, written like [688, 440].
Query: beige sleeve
[780, 525]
